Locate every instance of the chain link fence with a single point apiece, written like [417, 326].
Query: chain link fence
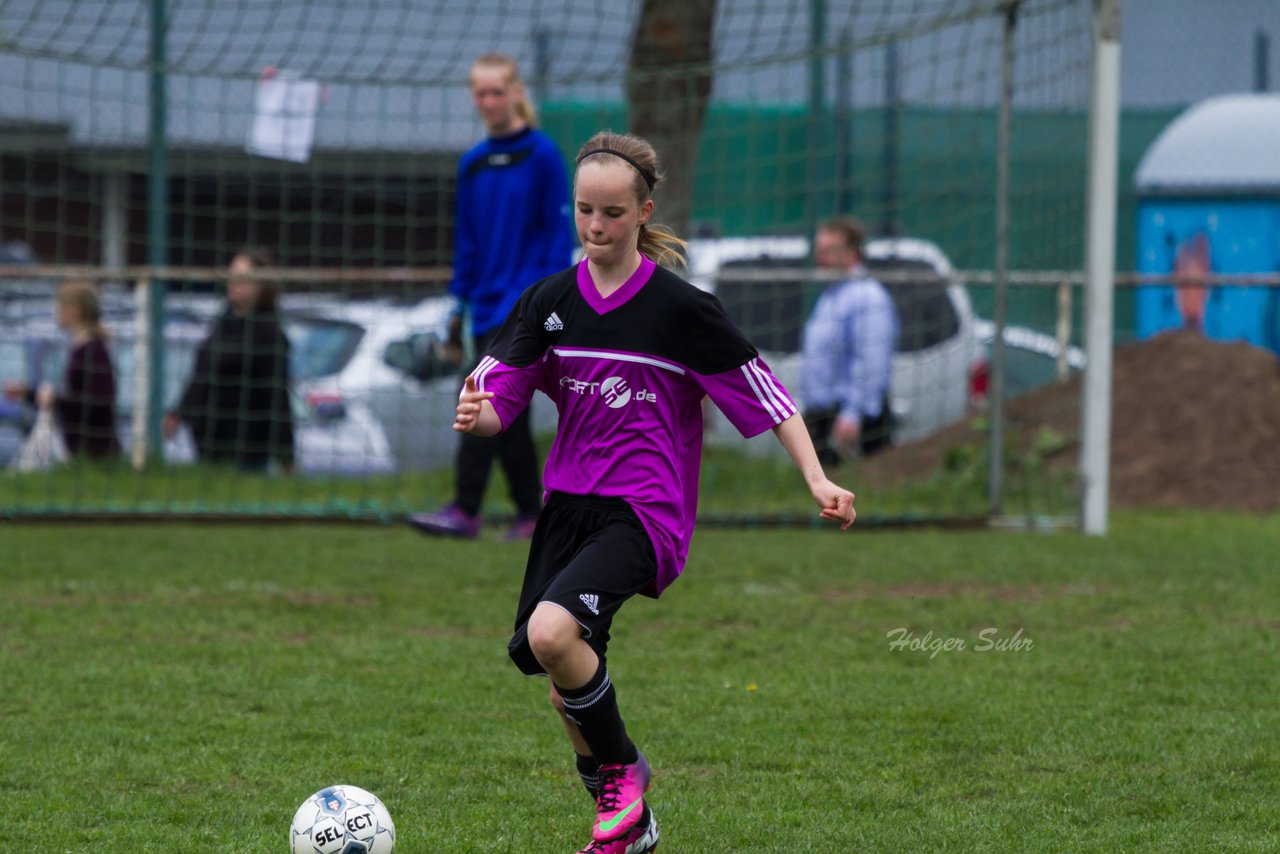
[144, 144]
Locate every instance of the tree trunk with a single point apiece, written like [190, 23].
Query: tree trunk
[668, 88]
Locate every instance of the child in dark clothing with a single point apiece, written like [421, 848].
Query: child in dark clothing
[85, 409]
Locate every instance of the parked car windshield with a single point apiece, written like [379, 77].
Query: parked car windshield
[319, 347]
[927, 314]
[770, 313]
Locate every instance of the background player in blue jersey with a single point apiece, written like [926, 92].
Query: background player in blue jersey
[628, 351]
[511, 228]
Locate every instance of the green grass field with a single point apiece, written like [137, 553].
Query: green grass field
[178, 688]
[734, 485]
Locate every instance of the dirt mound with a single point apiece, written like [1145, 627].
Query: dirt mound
[1195, 423]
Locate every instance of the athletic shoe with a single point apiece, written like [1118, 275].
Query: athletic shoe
[640, 839]
[620, 805]
[522, 528]
[452, 521]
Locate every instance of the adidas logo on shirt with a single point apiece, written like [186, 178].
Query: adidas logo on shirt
[592, 601]
[553, 323]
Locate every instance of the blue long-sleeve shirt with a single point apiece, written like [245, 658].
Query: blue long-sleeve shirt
[513, 223]
[848, 346]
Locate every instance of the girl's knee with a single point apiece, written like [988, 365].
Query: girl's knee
[552, 632]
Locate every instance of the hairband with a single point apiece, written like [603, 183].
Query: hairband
[648, 177]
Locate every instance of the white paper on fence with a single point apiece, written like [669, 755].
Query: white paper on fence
[43, 448]
[284, 119]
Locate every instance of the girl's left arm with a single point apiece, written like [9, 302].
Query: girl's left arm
[835, 501]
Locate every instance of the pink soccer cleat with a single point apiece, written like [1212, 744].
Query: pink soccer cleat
[620, 803]
[640, 839]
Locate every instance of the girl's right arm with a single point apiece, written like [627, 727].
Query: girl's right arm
[475, 414]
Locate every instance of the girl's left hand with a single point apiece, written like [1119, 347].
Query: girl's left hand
[836, 503]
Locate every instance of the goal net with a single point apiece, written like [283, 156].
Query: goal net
[144, 144]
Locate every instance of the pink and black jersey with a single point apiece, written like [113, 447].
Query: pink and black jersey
[628, 375]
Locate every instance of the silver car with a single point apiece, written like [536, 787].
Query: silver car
[386, 358]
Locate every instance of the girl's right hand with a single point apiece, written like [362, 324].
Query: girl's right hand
[15, 390]
[470, 403]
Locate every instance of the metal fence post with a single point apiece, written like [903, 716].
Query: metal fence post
[157, 222]
[995, 393]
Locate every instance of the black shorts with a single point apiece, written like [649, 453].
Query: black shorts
[588, 556]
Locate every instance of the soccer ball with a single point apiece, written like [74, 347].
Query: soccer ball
[342, 820]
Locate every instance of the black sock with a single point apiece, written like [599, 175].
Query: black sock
[588, 766]
[594, 708]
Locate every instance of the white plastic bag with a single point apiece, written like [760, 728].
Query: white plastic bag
[43, 448]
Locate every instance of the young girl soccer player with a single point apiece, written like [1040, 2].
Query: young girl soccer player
[627, 350]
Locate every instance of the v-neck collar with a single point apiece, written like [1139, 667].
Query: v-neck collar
[628, 289]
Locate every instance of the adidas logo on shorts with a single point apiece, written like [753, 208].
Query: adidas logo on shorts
[553, 323]
[592, 601]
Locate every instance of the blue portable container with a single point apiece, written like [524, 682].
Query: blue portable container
[1209, 202]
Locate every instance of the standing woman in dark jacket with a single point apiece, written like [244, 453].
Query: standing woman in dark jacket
[85, 407]
[237, 403]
